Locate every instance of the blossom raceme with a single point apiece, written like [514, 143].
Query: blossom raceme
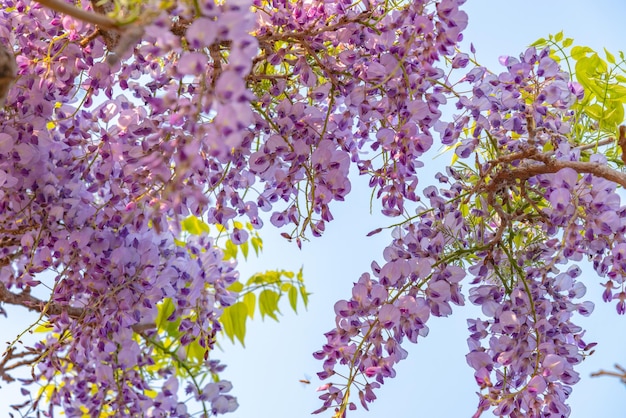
[525, 352]
[118, 126]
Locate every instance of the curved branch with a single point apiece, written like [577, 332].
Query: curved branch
[527, 171]
[34, 304]
[80, 14]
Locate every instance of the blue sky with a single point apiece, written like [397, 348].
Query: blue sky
[434, 381]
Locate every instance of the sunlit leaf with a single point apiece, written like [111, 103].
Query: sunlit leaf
[293, 298]
[233, 320]
[250, 300]
[245, 247]
[268, 303]
[236, 287]
[195, 226]
[558, 37]
[230, 250]
[304, 295]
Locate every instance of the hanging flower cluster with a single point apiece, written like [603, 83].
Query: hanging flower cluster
[117, 127]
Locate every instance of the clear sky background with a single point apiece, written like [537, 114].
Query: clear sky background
[434, 381]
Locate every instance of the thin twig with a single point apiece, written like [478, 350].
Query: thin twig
[621, 374]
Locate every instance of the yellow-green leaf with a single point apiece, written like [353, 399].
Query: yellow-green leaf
[304, 295]
[233, 320]
[245, 247]
[256, 278]
[195, 351]
[268, 303]
[164, 310]
[250, 300]
[580, 51]
[558, 37]
[230, 250]
[195, 226]
[609, 57]
[618, 92]
[293, 298]
[45, 327]
[236, 287]
[257, 244]
[539, 42]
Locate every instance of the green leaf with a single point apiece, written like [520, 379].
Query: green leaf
[233, 320]
[579, 52]
[272, 277]
[613, 116]
[230, 250]
[257, 244]
[195, 351]
[268, 303]
[539, 42]
[195, 226]
[587, 69]
[256, 278]
[293, 298]
[594, 111]
[609, 57]
[620, 78]
[558, 37]
[236, 287]
[250, 300]
[618, 92]
[245, 247]
[567, 42]
[46, 326]
[164, 310]
[304, 295]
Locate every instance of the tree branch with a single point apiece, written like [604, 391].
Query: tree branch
[34, 304]
[621, 374]
[102, 21]
[548, 166]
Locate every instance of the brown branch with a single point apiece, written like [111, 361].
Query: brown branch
[533, 152]
[298, 35]
[103, 22]
[621, 374]
[549, 166]
[32, 303]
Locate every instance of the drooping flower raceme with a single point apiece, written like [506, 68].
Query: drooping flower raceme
[110, 137]
[531, 203]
